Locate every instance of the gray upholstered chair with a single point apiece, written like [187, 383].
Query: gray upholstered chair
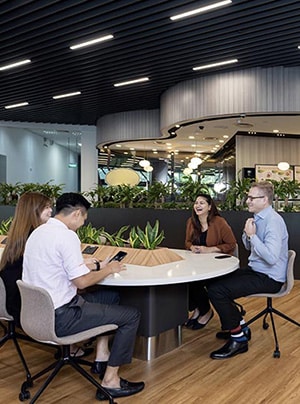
[9, 328]
[270, 310]
[38, 321]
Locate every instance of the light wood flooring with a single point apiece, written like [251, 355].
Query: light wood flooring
[187, 374]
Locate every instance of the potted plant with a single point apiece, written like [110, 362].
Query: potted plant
[117, 238]
[5, 225]
[150, 237]
[90, 235]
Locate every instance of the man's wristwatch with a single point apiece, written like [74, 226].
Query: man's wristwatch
[250, 237]
[98, 267]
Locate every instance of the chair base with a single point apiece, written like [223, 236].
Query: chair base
[65, 359]
[270, 310]
[13, 335]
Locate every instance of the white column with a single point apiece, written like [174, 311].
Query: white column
[89, 160]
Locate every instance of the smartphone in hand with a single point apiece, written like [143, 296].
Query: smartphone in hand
[119, 256]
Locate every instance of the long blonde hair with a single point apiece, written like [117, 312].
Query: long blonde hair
[27, 217]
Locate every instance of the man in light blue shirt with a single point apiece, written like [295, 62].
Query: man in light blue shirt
[266, 236]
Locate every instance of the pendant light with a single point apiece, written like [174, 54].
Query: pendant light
[283, 165]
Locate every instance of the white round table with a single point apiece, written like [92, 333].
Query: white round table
[161, 294]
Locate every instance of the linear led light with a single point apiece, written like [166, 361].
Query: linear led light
[21, 104]
[125, 83]
[12, 65]
[226, 62]
[200, 10]
[56, 97]
[91, 42]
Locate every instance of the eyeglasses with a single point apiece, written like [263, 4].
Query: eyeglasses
[254, 197]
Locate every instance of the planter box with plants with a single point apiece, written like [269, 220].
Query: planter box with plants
[171, 215]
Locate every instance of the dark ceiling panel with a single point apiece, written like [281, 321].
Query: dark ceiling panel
[146, 43]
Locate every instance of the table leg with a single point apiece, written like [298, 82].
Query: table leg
[163, 309]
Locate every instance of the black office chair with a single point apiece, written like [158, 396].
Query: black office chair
[10, 332]
[270, 310]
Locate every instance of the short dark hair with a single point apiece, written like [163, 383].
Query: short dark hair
[70, 201]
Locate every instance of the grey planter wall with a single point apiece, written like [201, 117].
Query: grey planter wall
[173, 223]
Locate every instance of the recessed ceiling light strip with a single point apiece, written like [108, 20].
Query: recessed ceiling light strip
[20, 104]
[56, 97]
[91, 42]
[125, 83]
[225, 62]
[16, 64]
[201, 10]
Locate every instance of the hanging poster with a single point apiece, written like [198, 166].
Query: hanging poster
[264, 172]
[297, 173]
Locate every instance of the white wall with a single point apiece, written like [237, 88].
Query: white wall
[28, 160]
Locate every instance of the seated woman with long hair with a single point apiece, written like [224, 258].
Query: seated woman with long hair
[206, 232]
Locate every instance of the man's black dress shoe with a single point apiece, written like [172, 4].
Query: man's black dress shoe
[127, 389]
[99, 368]
[230, 349]
[227, 335]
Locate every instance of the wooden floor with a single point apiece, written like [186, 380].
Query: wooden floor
[186, 375]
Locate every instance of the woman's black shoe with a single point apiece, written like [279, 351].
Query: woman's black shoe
[199, 326]
[190, 322]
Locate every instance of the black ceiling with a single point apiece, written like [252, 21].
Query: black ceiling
[146, 43]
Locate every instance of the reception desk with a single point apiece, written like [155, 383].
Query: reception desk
[160, 292]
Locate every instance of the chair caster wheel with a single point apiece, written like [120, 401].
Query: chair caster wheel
[24, 395]
[265, 326]
[276, 354]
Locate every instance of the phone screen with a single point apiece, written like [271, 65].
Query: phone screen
[90, 249]
[219, 257]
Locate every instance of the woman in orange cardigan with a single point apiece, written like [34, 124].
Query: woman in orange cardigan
[206, 232]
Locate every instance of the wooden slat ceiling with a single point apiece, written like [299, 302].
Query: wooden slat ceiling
[146, 43]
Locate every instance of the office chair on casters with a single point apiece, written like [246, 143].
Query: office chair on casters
[10, 332]
[270, 310]
[38, 321]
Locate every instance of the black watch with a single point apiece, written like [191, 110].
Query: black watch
[97, 266]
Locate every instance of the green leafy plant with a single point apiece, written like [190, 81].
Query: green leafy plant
[285, 190]
[90, 235]
[9, 193]
[157, 194]
[189, 190]
[134, 239]
[151, 237]
[116, 239]
[5, 225]
[99, 196]
[235, 198]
